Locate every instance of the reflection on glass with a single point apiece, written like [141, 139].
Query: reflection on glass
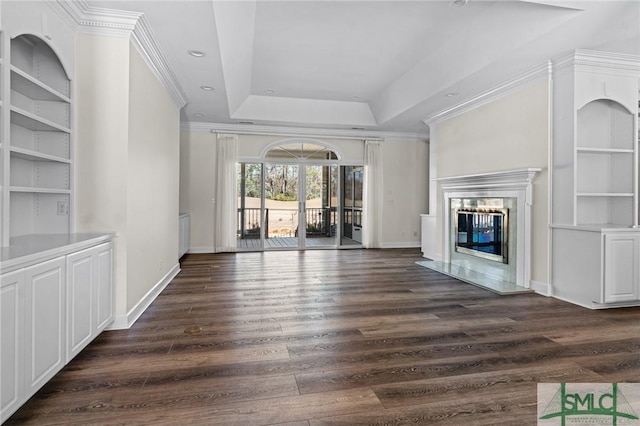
[352, 205]
[482, 233]
[321, 205]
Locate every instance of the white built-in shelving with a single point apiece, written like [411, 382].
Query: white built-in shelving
[56, 286]
[40, 191]
[3, 165]
[605, 164]
[595, 232]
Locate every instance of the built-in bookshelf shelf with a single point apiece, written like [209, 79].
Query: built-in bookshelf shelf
[604, 150]
[34, 190]
[33, 122]
[33, 88]
[27, 154]
[605, 194]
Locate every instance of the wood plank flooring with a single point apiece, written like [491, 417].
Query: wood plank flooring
[351, 337]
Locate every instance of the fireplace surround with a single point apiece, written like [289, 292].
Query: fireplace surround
[505, 197]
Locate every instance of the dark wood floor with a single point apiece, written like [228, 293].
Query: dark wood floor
[335, 338]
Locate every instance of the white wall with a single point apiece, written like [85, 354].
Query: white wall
[509, 133]
[405, 169]
[152, 182]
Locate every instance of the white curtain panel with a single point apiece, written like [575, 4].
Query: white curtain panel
[226, 201]
[372, 197]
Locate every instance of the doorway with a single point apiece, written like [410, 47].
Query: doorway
[293, 200]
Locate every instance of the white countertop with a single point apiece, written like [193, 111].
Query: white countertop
[29, 249]
[597, 227]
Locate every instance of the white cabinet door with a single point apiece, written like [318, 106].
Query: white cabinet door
[89, 295]
[621, 267]
[11, 337]
[80, 272]
[45, 323]
[103, 289]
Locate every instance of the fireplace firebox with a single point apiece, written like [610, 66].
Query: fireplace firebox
[482, 232]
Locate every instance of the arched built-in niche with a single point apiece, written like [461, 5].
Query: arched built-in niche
[40, 140]
[605, 163]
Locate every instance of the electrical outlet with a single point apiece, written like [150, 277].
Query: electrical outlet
[62, 208]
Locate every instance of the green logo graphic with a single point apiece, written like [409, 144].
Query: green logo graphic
[589, 404]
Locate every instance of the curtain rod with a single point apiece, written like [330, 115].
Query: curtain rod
[298, 135]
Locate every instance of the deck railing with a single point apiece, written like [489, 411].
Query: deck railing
[319, 221]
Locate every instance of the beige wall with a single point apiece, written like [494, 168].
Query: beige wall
[509, 133]
[405, 165]
[405, 191]
[152, 182]
[101, 146]
[127, 157]
[197, 186]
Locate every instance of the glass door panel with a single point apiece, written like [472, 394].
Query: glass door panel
[321, 205]
[289, 206]
[249, 221]
[352, 188]
[281, 206]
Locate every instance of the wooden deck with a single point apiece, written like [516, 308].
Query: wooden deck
[292, 243]
[334, 337]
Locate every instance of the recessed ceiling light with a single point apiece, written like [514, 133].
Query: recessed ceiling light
[196, 53]
[199, 114]
[268, 91]
[207, 88]
[451, 94]
[459, 3]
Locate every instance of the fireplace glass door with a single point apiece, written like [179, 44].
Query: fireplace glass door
[482, 233]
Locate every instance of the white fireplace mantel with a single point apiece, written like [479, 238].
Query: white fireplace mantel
[515, 184]
[504, 180]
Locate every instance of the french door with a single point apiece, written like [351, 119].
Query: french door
[288, 206]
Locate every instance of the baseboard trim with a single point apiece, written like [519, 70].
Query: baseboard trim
[539, 287]
[200, 250]
[573, 302]
[432, 256]
[125, 322]
[413, 244]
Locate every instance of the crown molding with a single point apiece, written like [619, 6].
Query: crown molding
[87, 19]
[580, 59]
[144, 41]
[93, 20]
[302, 132]
[539, 73]
[595, 61]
